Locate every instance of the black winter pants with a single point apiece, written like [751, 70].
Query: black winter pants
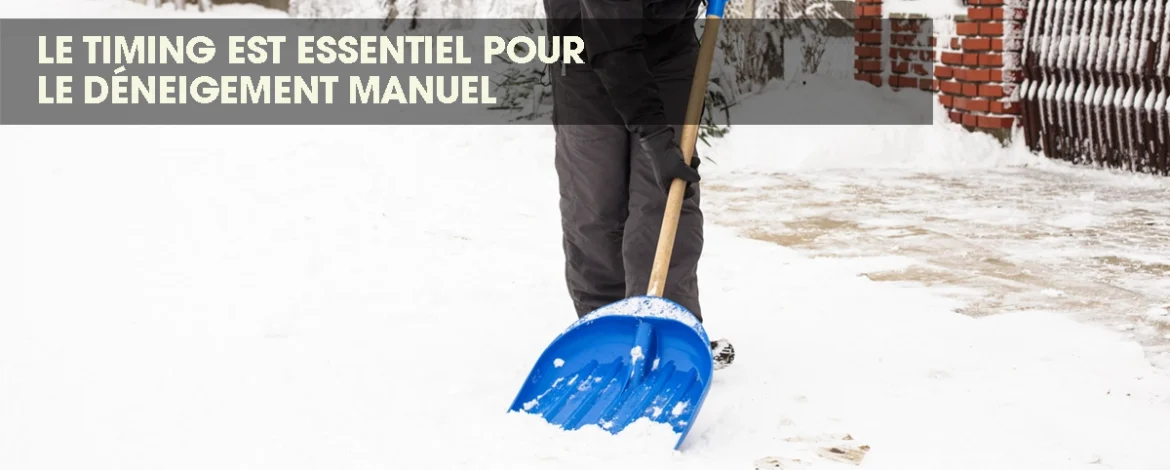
[611, 208]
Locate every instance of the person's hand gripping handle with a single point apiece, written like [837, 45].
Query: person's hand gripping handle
[690, 135]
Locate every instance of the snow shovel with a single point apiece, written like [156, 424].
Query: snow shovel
[641, 357]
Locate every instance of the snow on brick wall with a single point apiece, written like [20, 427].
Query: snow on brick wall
[912, 52]
[966, 51]
[1087, 80]
[978, 76]
[1097, 74]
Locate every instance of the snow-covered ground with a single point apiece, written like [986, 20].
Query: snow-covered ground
[371, 297]
[934, 9]
[1017, 236]
[126, 9]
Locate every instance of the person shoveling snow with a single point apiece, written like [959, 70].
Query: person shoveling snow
[618, 121]
[624, 159]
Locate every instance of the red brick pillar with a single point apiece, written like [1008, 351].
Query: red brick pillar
[912, 53]
[867, 64]
[980, 69]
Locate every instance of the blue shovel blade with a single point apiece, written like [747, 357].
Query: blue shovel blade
[641, 357]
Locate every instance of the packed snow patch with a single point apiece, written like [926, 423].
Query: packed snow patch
[1159, 314]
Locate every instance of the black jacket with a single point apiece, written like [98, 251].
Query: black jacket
[623, 40]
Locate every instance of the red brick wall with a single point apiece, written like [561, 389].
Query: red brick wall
[973, 72]
[912, 54]
[868, 38]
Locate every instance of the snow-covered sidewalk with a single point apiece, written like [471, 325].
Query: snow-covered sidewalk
[371, 297]
[1047, 237]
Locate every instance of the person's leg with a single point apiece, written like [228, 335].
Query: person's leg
[648, 203]
[592, 163]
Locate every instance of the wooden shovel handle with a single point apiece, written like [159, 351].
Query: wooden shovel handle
[690, 135]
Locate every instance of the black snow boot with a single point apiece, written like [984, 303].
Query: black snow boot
[723, 352]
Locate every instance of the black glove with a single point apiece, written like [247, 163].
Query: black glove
[666, 159]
